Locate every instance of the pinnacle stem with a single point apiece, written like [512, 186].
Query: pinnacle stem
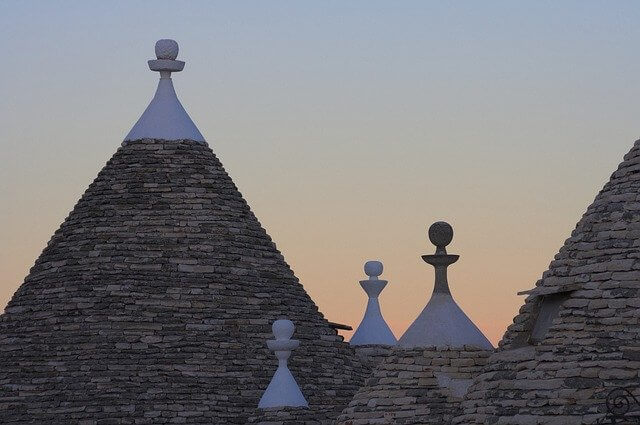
[441, 285]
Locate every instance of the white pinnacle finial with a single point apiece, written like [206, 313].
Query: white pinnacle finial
[166, 54]
[165, 118]
[373, 329]
[283, 389]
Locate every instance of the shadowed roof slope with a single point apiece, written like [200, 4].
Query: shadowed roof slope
[578, 333]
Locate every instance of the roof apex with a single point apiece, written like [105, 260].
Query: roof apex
[165, 118]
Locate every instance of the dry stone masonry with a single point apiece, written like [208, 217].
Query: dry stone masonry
[372, 354]
[293, 416]
[416, 386]
[152, 302]
[578, 333]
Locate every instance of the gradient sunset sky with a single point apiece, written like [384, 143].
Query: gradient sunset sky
[349, 127]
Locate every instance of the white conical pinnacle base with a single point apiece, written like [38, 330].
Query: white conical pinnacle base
[442, 323]
[283, 391]
[373, 329]
[165, 118]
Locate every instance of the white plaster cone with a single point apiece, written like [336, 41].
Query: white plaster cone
[373, 329]
[283, 390]
[442, 323]
[165, 118]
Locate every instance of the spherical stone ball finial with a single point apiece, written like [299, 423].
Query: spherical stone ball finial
[373, 268]
[440, 234]
[283, 329]
[166, 49]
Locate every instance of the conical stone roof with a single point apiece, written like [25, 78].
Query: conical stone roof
[153, 301]
[578, 333]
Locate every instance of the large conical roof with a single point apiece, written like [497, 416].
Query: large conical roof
[577, 334]
[153, 302]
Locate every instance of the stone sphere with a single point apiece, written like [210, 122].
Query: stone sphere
[440, 233]
[373, 268]
[283, 329]
[166, 49]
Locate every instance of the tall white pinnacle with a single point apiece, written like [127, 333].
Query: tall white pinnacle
[165, 118]
[442, 323]
[373, 329]
[283, 389]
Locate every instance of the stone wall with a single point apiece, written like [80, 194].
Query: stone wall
[415, 386]
[292, 416]
[372, 355]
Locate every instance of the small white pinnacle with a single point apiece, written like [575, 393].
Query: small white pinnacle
[373, 329]
[373, 269]
[165, 118]
[283, 390]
